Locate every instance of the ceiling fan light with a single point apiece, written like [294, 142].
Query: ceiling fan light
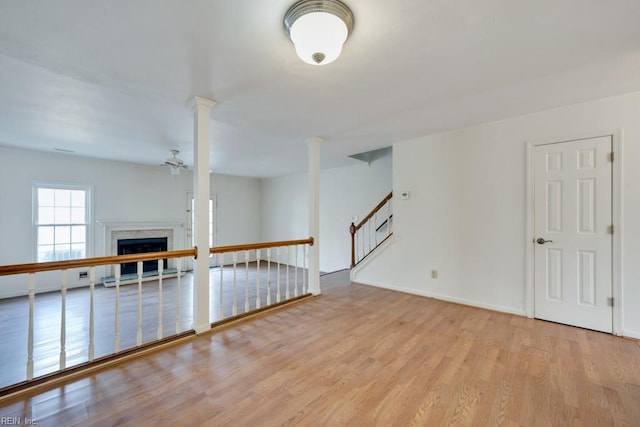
[318, 29]
[174, 163]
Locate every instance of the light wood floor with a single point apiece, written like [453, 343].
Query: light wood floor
[362, 356]
[47, 319]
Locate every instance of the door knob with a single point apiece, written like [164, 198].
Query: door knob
[541, 241]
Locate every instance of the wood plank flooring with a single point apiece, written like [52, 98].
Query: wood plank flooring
[47, 319]
[362, 356]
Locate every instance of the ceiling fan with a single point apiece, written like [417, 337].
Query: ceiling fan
[174, 163]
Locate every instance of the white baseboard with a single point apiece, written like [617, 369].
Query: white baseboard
[631, 334]
[111, 284]
[447, 298]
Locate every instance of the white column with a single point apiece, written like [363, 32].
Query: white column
[202, 124]
[313, 145]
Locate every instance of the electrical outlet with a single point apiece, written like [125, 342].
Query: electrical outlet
[434, 274]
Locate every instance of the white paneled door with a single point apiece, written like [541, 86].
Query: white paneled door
[573, 240]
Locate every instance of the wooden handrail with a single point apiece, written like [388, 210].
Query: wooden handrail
[36, 267]
[374, 210]
[251, 246]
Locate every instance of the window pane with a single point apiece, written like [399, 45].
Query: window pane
[77, 198]
[45, 253]
[78, 250]
[63, 252]
[45, 216]
[63, 197]
[45, 235]
[45, 196]
[57, 210]
[63, 234]
[77, 216]
[62, 215]
[78, 234]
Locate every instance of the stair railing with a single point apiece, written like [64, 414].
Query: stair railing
[372, 231]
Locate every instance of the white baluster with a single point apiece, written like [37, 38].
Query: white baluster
[375, 224]
[139, 271]
[179, 295]
[288, 261]
[160, 271]
[295, 277]
[32, 297]
[116, 339]
[278, 275]
[268, 276]
[369, 234]
[304, 270]
[63, 319]
[221, 262]
[235, 284]
[388, 217]
[246, 282]
[363, 229]
[92, 288]
[257, 278]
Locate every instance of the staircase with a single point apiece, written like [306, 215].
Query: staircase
[372, 231]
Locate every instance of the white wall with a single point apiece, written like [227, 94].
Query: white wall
[239, 209]
[344, 193]
[466, 217]
[122, 192]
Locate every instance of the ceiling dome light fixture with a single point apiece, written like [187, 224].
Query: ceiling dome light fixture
[318, 29]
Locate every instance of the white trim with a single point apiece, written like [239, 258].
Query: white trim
[87, 188]
[108, 227]
[616, 217]
[446, 298]
[529, 296]
[631, 334]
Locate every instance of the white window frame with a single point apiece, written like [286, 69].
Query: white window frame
[88, 189]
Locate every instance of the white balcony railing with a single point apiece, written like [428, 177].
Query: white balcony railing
[54, 332]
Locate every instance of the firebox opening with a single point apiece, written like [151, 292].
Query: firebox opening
[136, 246]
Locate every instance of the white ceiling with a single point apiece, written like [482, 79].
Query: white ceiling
[112, 79]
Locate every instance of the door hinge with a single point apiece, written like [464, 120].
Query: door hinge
[610, 229]
[610, 301]
[611, 156]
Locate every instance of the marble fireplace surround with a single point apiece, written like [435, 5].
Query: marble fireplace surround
[117, 230]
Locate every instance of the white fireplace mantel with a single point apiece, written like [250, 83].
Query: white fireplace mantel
[114, 230]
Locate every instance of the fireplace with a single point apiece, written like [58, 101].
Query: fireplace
[115, 231]
[141, 245]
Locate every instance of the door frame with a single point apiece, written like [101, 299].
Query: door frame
[616, 218]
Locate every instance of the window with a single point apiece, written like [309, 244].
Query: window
[61, 222]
